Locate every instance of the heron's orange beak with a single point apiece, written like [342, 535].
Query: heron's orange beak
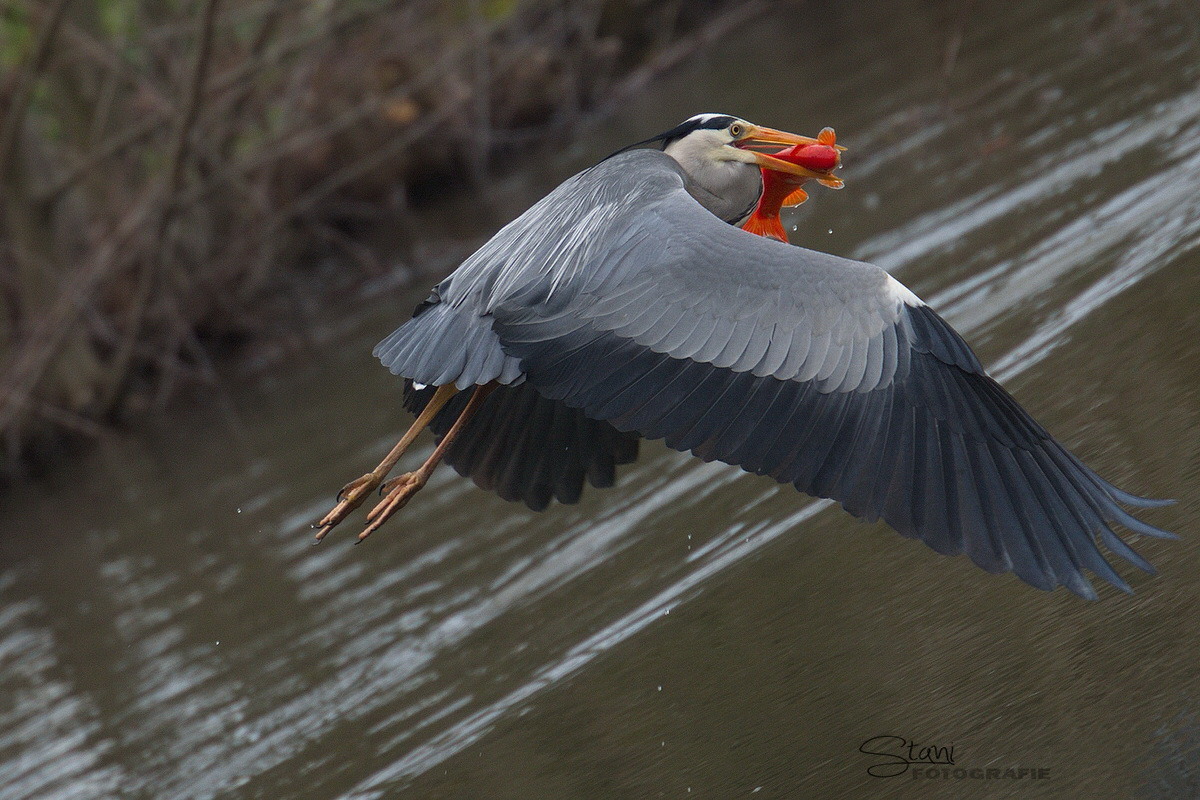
[770, 138]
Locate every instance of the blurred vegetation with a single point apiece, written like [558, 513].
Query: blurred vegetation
[165, 165]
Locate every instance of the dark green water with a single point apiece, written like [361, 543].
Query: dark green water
[167, 631]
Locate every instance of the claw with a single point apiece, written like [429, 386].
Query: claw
[355, 492]
[349, 498]
[398, 492]
[395, 483]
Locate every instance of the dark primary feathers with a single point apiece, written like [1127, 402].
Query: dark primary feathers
[525, 447]
[618, 308]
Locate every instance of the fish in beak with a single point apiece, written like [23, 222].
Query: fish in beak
[812, 159]
[758, 140]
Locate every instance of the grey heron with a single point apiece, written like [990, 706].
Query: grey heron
[625, 305]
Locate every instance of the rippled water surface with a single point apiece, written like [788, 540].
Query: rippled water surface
[1032, 170]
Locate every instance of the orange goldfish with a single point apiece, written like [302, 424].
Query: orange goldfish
[781, 189]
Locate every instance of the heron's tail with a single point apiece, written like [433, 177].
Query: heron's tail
[445, 344]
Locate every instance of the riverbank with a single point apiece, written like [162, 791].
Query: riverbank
[170, 177]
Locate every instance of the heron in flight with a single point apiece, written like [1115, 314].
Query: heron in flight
[626, 304]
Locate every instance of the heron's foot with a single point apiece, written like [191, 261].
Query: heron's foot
[396, 494]
[349, 498]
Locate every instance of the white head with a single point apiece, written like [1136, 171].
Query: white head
[707, 139]
[727, 180]
[713, 150]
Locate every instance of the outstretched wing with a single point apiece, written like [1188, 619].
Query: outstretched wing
[821, 372]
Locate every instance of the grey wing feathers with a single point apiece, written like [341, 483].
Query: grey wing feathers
[718, 295]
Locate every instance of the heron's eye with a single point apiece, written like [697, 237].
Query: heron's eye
[736, 130]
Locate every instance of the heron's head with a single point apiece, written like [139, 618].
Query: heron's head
[723, 155]
[711, 140]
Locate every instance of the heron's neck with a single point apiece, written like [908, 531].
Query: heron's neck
[729, 189]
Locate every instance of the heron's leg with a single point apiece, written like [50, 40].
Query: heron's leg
[353, 493]
[398, 491]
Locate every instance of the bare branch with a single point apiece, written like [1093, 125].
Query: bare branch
[154, 263]
[46, 339]
[14, 121]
